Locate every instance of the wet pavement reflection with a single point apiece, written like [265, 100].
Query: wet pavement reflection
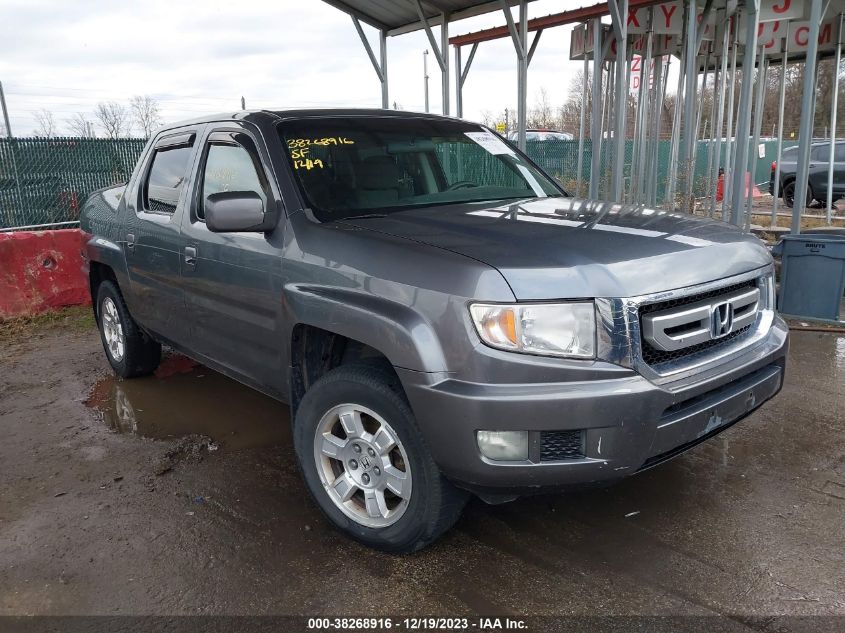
[750, 522]
[184, 398]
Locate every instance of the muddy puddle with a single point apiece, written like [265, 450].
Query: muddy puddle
[184, 398]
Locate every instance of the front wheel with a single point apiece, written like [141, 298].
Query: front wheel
[130, 351]
[365, 462]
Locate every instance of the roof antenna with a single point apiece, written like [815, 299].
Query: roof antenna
[243, 103]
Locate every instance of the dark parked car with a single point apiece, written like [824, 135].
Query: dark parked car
[818, 173]
[541, 134]
[441, 317]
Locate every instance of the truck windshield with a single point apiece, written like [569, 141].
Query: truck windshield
[353, 166]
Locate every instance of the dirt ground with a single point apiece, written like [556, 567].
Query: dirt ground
[179, 494]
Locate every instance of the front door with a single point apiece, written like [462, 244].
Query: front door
[152, 237]
[232, 281]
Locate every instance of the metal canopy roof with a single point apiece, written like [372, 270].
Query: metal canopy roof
[581, 14]
[396, 17]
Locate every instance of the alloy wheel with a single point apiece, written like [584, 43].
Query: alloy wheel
[112, 329]
[362, 465]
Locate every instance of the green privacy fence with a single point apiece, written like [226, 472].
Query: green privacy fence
[560, 159]
[46, 180]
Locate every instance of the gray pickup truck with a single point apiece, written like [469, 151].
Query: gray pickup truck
[442, 318]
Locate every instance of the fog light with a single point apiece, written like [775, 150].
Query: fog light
[503, 446]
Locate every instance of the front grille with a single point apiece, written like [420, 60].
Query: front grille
[557, 446]
[682, 301]
[653, 356]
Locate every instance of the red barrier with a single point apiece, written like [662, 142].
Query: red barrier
[720, 188]
[40, 270]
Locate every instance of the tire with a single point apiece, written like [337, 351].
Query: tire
[129, 350]
[789, 194]
[428, 506]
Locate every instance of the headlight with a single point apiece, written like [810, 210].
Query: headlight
[551, 329]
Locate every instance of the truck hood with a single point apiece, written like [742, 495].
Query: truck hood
[566, 248]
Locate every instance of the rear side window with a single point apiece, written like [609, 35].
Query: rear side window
[167, 175]
[839, 153]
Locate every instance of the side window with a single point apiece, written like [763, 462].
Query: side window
[229, 166]
[839, 153]
[820, 152]
[166, 177]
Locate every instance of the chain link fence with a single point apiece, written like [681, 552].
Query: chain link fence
[46, 180]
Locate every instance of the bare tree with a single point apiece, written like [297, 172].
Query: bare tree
[145, 114]
[488, 118]
[45, 123]
[113, 118]
[80, 126]
[542, 114]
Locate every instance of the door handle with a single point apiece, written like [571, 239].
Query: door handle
[190, 256]
[130, 241]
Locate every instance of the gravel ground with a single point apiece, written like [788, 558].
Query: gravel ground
[178, 494]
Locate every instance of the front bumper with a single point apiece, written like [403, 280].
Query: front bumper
[626, 423]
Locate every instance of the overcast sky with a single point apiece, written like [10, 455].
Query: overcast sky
[200, 56]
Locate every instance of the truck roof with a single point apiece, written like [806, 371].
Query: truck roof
[295, 113]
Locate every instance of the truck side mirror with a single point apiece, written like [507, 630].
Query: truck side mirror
[233, 211]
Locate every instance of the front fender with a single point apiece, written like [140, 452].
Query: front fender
[402, 334]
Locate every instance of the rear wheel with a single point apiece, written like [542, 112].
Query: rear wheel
[365, 462]
[130, 351]
[789, 194]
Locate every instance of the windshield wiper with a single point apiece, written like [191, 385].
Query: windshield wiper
[365, 216]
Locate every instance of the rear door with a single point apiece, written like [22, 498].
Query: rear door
[839, 171]
[152, 236]
[232, 281]
[819, 170]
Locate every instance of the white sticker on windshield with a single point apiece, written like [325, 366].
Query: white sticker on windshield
[490, 142]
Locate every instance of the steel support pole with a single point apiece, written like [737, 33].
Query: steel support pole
[676, 134]
[459, 93]
[5, 112]
[729, 130]
[380, 64]
[596, 114]
[441, 51]
[461, 73]
[660, 92]
[833, 108]
[643, 118]
[13, 151]
[385, 98]
[519, 36]
[582, 127]
[711, 146]
[619, 18]
[627, 79]
[781, 107]
[692, 148]
[718, 128]
[691, 76]
[425, 75]
[636, 165]
[523, 72]
[444, 50]
[759, 102]
[609, 136]
[805, 127]
[743, 119]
